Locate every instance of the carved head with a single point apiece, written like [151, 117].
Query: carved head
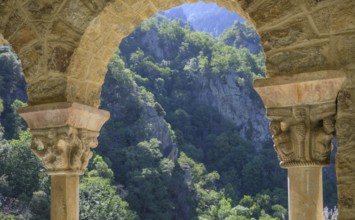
[89, 138]
[275, 127]
[328, 125]
[300, 114]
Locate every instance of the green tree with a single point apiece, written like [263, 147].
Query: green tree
[101, 169]
[279, 211]
[242, 35]
[99, 200]
[6, 217]
[146, 175]
[1, 106]
[21, 167]
[39, 205]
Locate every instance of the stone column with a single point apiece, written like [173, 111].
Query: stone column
[345, 158]
[302, 111]
[63, 135]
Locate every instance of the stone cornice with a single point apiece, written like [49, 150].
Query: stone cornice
[300, 89]
[64, 114]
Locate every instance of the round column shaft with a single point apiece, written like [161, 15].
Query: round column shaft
[305, 193]
[65, 197]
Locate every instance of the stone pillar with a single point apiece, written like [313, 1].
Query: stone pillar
[302, 136]
[302, 111]
[305, 193]
[345, 158]
[65, 197]
[63, 135]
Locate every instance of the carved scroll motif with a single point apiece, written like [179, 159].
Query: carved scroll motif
[64, 150]
[302, 135]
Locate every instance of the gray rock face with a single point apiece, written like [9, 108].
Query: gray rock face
[205, 17]
[156, 127]
[151, 40]
[239, 104]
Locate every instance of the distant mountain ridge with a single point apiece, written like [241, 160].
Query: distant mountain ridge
[209, 18]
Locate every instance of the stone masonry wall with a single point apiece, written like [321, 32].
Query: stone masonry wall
[345, 158]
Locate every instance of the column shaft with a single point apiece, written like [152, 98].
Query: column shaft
[65, 197]
[305, 193]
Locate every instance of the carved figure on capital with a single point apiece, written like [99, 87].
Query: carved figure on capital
[323, 140]
[302, 135]
[64, 149]
[282, 141]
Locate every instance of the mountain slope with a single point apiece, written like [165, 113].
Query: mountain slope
[209, 18]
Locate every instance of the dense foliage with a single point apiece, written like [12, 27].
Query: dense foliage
[215, 167]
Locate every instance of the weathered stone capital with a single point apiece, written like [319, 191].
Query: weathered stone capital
[302, 135]
[63, 135]
[64, 150]
[302, 111]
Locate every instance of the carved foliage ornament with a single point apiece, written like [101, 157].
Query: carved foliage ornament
[64, 150]
[302, 135]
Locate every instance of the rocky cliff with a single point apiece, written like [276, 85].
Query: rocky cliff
[239, 104]
[134, 115]
[209, 18]
[236, 101]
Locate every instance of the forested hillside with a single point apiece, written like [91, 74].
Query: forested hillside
[187, 137]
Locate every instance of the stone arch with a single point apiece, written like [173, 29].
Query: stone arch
[118, 19]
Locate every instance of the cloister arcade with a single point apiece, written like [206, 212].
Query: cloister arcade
[309, 90]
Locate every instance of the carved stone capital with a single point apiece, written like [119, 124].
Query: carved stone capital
[302, 135]
[64, 150]
[63, 135]
[302, 111]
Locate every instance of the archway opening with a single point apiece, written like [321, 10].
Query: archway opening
[186, 88]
